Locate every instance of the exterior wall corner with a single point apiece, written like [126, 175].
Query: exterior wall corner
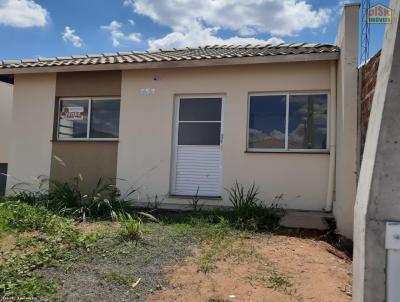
[32, 128]
[347, 94]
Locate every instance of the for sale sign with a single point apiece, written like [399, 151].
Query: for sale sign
[72, 113]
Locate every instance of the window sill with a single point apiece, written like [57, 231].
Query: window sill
[290, 152]
[84, 140]
[190, 197]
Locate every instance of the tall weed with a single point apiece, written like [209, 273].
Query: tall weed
[68, 198]
[250, 212]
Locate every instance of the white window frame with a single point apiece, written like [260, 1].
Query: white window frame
[286, 149]
[89, 100]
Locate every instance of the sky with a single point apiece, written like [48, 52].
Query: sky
[48, 28]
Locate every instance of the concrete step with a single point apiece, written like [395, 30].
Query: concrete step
[306, 220]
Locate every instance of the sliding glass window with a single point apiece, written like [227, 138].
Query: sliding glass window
[88, 118]
[288, 122]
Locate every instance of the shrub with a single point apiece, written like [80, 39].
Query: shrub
[33, 193]
[249, 212]
[68, 198]
[102, 202]
[245, 202]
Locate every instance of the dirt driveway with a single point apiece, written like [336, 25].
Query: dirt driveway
[271, 268]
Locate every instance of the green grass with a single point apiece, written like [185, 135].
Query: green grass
[68, 199]
[46, 239]
[58, 238]
[279, 281]
[217, 238]
[118, 278]
[130, 228]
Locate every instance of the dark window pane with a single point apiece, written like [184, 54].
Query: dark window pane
[207, 109]
[308, 121]
[3, 178]
[199, 133]
[105, 119]
[267, 121]
[73, 119]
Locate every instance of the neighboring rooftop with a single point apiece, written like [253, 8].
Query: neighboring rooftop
[174, 55]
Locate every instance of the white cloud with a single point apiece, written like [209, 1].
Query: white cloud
[117, 35]
[69, 36]
[257, 135]
[201, 36]
[22, 13]
[275, 17]
[342, 3]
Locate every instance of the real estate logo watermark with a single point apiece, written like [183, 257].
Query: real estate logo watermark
[379, 14]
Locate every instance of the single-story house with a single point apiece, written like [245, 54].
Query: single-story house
[184, 122]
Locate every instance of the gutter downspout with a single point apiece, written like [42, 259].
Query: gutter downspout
[332, 139]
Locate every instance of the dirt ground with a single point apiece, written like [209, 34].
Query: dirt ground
[169, 264]
[280, 269]
[113, 265]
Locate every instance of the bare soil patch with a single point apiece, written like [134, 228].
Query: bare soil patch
[94, 227]
[279, 269]
[7, 243]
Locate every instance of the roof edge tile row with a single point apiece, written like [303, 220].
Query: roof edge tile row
[176, 54]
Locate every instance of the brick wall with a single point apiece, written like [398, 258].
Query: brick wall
[368, 73]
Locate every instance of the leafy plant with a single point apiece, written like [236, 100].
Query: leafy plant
[244, 201]
[102, 202]
[32, 193]
[68, 198]
[251, 213]
[282, 283]
[279, 281]
[55, 239]
[130, 228]
[21, 217]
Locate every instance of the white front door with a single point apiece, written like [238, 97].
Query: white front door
[198, 146]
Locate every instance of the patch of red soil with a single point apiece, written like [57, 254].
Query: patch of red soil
[316, 274]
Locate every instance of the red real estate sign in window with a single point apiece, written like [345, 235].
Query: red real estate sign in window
[72, 113]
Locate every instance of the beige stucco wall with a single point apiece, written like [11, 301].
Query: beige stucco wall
[91, 160]
[6, 97]
[32, 126]
[346, 155]
[144, 153]
[146, 126]
[96, 83]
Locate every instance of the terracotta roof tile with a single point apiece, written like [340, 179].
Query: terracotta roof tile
[200, 53]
